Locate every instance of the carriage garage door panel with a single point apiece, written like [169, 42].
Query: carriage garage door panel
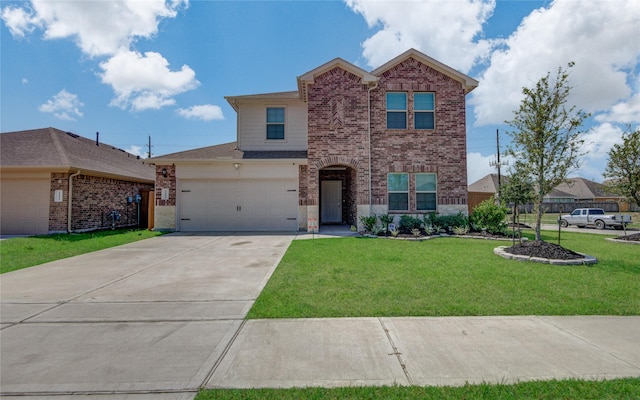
[245, 205]
[25, 206]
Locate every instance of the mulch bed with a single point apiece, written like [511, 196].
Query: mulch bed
[632, 238]
[542, 249]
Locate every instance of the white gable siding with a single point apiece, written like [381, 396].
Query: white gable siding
[252, 121]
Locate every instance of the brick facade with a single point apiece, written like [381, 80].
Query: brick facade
[442, 151]
[339, 109]
[94, 198]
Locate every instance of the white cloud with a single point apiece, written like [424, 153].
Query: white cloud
[145, 81]
[597, 144]
[99, 27]
[109, 28]
[625, 112]
[600, 36]
[136, 151]
[19, 21]
[445, 30]
[206, 112]
[64, 105]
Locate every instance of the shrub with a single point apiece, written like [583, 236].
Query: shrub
[445, 222]
[490, 217]
[369, 222]
[408, 223]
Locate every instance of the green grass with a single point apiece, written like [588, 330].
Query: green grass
[565, 389]
[361, 277]
[18, 253]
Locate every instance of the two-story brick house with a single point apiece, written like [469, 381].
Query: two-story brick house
[347, 143]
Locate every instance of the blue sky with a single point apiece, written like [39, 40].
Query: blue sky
[161, 68]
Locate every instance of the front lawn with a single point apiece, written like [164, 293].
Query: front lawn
[362, 277]
[18, 253]
[566, 389]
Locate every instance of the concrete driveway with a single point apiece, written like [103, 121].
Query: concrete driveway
[150, 319]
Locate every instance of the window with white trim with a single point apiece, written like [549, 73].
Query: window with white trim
[398, 191]
[275, 123]
[396, 110]
[424, 110]
[426, 192]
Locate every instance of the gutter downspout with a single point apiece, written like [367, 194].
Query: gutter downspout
[375, 86]
[70, 201]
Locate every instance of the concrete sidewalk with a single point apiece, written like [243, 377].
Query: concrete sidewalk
[428, 351]
[163, 317]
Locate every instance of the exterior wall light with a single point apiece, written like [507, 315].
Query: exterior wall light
[236, 165]
[164, 172]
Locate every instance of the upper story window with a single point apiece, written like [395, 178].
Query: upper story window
[396, 110]
[424, 110]
[398, 191]
[426, 185]
[275, 122]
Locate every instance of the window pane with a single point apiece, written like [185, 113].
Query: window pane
[426, 201]
[423, 102]
[275, 114]
[425, 182]
[398, 182]
[396, 120]
[398, 201]
[396, 101]
[275, 131]
[424, 120]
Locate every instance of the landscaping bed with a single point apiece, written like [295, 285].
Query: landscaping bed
[542, 249]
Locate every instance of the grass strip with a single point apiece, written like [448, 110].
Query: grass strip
[18, 253]
[555, 389]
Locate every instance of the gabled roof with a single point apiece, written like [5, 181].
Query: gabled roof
[585, 189]
[51, 148]
[467, 82]
[225, 151]
[487, 184]
[309, 77]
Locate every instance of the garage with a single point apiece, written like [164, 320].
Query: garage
[25, 206]
[237, 205]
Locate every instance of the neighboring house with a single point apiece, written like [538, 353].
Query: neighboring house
[40, 168]
[576, 190]
[347, 143]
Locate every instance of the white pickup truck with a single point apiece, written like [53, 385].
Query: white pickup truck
[582, 217]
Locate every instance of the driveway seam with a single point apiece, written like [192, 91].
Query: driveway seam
[222, 355]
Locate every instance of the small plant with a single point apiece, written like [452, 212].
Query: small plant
[416, 233]
[395, 233]
[385, 220]
[353, 228]
[377, 230]
[461, 230]
[369, 222]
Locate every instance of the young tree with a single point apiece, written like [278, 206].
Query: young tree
[623, 166]
[517, 191]
[547, 136]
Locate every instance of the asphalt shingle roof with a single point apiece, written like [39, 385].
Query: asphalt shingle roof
[228, 151]
[56, 149]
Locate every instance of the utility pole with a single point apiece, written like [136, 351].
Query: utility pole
[149, 147]
[497, 163]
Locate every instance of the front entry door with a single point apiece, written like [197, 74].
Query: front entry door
[331, 202]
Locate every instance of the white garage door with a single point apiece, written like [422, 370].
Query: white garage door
[242, 205]
[25, 206]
